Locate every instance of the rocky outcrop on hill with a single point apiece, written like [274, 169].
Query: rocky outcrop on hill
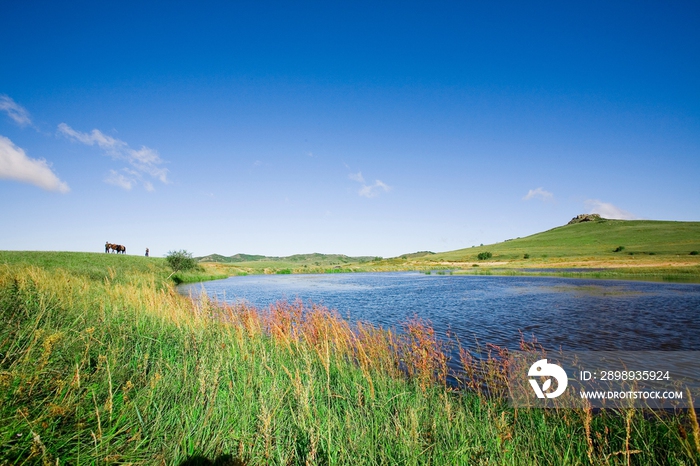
[585, 218]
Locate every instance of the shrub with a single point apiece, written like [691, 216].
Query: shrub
[693, 253]
[283, 272]
[484, 255]
[526, 256]
[180, 261]
[618, 249]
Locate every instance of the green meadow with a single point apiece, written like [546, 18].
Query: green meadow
[103, 362]
[646, 240]
[644, 249]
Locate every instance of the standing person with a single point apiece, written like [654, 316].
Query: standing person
[146, 252]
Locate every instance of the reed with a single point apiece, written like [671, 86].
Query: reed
[116, 367]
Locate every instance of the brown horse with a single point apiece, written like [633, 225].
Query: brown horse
[117, 248]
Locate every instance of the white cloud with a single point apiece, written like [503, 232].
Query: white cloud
[368, 190]
[95, 137]
[15, 165]
[118, 179]
[540, 194]
[357, 177]
[374, 189]
[607, 210]
[15, 111]
[143, 161]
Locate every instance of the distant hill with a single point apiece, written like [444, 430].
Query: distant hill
[597, 238]
[296, 258]
[416, 255]
[235, 258]
[586, 237]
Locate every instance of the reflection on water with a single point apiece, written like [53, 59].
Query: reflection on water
[571, 314]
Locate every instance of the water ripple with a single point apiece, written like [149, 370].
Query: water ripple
[572, 314]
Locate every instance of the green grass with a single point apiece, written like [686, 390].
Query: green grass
[593, 240]
[657, 274]
[196, 276]
[95, 266]
[98, 266]
[85, 263]
[102, 362]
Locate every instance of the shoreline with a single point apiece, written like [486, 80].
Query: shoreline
[667, 273]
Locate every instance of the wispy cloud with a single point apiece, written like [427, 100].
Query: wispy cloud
[369, 190]
[357, 177]
[142, 161]
[15, 111]
[538, 193]
[374, 189]
[15, 165]
[607, 210]
[119, 179]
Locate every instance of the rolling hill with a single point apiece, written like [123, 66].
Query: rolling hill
[601, 239]
[638, 247]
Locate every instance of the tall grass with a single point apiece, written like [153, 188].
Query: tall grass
[119, 368]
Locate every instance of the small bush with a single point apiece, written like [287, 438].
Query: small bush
[693, 253]
[180, 261]
[526, 256]
[484, 255]
[475, 265]
[618, 249]
[283, 272]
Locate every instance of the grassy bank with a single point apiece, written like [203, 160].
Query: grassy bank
[688, 274]
[106, 363]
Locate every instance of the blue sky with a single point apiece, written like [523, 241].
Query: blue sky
[283, 128]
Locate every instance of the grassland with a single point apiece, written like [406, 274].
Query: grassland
[102, 362]
[644, 241]
[652, 250]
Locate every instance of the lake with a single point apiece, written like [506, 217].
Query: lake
[562, 313]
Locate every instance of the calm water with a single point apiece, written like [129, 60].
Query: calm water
[571, 314]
